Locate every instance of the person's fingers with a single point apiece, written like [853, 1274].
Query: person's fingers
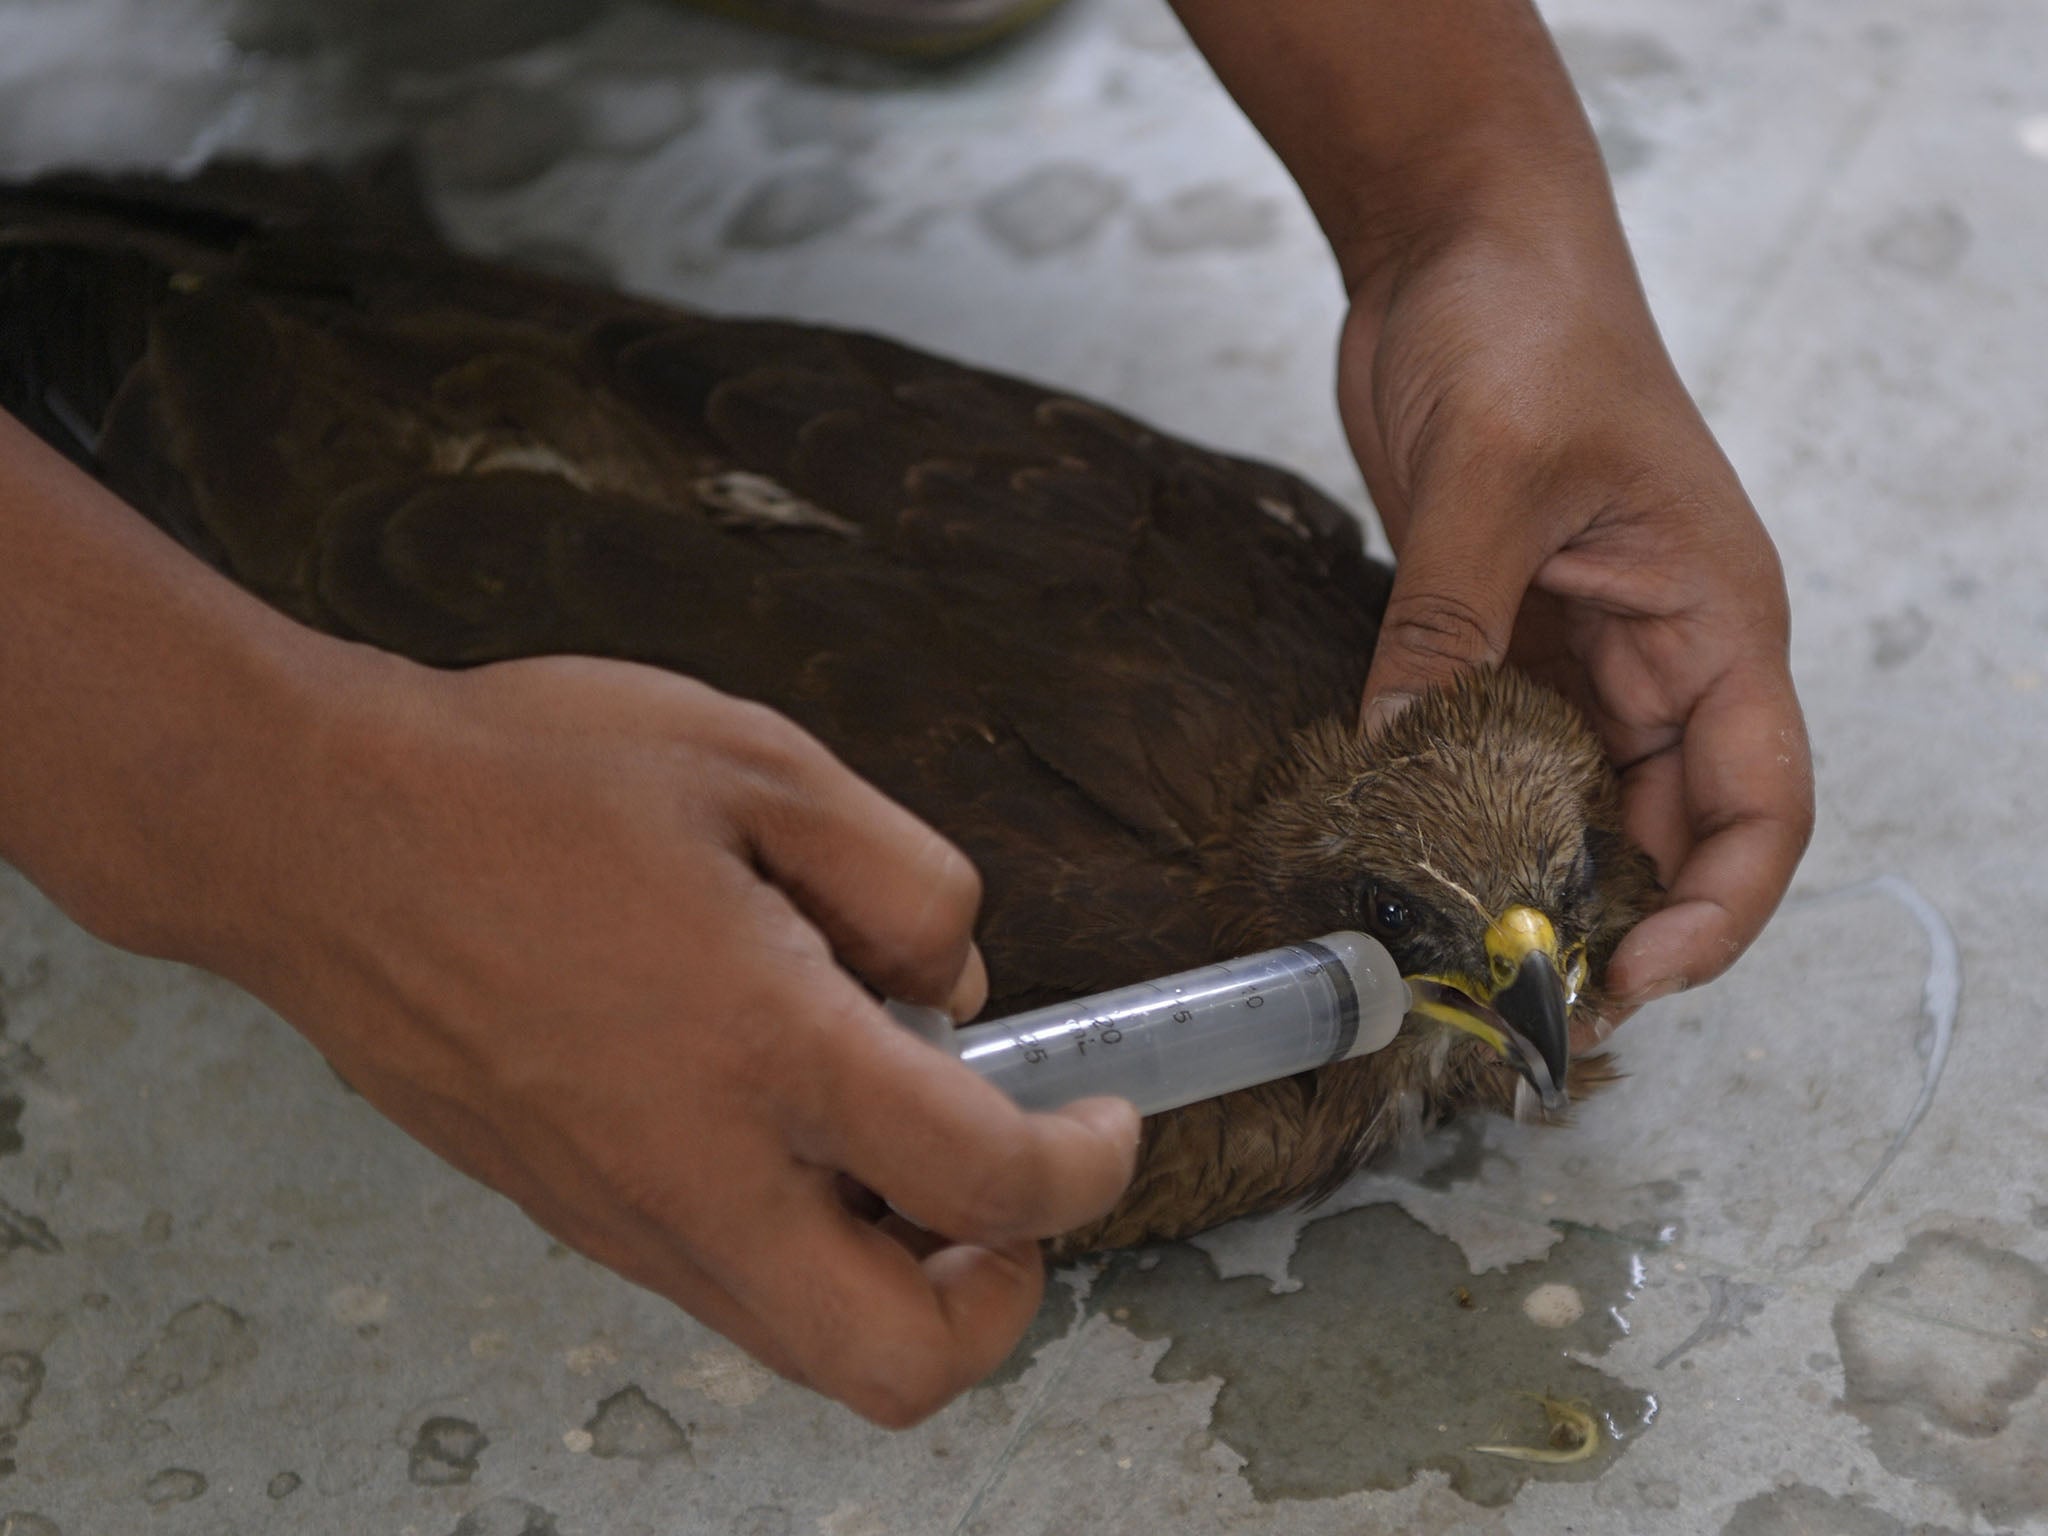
[1748, 794]
[895, 899]
[1457, 589]
[919, 1242]
[892, 1334]
[948, 1150]
[888, 1320]
[1654, 812]
[970, 993]
[988, 1297]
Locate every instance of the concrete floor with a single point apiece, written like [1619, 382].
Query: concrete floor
[1807, 1241]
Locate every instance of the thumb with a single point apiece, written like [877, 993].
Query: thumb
[1457, 589]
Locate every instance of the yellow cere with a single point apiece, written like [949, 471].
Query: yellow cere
[1518, 933]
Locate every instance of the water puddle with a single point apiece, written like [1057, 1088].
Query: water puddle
[1393, 1358]
[1944, 1351]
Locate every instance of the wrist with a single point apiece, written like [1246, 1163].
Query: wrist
[210, 859]
[1548, 219]
[149, 713]
[1409, 126]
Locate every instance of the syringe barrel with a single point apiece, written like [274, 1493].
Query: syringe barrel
[1204, 1032]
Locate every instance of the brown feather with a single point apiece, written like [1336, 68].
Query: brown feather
[1119, 670]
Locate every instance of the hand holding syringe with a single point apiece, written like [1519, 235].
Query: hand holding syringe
[1165, 1043]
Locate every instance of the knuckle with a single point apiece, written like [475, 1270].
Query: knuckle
[759, 1074]
[791, 1068]
[1802, 827]
[917, 936]
[782, 777]
[632, 1187]
[829, 1042]
[893, 1368]
[770, 747]
[1439, 626]
[949, 892]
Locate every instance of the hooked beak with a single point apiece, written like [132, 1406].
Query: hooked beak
[1533, 1006]
[1524, 1011]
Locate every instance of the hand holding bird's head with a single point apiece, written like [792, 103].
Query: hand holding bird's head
[1478, 836]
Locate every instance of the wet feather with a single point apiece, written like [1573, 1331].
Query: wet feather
[1121, 671]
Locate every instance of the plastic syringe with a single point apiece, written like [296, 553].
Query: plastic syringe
[1210, 1031]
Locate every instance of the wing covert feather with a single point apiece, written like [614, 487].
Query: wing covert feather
[1068, 640]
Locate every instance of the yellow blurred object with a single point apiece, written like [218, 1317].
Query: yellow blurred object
[1571, 1433]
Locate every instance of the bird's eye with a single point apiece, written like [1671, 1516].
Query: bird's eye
[1386, 914]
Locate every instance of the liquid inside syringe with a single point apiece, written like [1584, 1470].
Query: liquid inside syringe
[1165, 1043]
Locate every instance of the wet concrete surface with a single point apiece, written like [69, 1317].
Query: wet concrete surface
[446, 1452]
[1944, 1351]
[1393, 1359]
[1802, 1510]
[233, 1300]
[628, 1424]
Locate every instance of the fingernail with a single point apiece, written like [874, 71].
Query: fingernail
[970, 992]
[930, 1025]
[1384, 711]
[1115, 1119]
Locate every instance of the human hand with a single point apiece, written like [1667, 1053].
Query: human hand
[1554, 496]
[579, 927]
[1557, 501]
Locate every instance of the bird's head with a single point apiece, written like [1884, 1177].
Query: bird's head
[1479, 839]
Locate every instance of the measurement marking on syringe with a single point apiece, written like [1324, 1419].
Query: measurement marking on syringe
[1196, 1034]
[1079, 1033]
[1087, 1032]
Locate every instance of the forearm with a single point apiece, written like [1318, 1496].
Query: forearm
[523, 908]
[1406, 122]
[143, 702]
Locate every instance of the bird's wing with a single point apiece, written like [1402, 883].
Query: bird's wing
[1070, 642]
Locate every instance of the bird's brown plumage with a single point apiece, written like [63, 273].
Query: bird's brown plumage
[1119, 670]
